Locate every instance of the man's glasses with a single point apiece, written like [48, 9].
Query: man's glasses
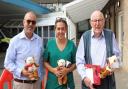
[97, 20]
[31, 21]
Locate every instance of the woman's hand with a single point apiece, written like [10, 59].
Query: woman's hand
[63, 71]
[60, 71]
[57, 72]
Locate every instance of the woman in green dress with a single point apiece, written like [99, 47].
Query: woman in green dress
[60, 48]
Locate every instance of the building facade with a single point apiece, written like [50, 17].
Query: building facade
[116, 14]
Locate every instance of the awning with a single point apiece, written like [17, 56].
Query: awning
[28, 4]
[79, 10]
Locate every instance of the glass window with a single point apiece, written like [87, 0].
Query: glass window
[51, 30]
[39, 31]
[45, 40]
[35, 31]
[48, 33]
[45, 31]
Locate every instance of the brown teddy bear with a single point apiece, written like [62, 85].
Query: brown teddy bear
[32, 67]
[108, 68]
[63, 63]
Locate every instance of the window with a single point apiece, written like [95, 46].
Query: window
[48, 33]
[45, 31]
[38, 31]
[52, 33]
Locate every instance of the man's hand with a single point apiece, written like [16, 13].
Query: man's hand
[88, 83]
[24, 72]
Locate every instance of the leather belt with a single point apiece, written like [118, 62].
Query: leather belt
[25, 81]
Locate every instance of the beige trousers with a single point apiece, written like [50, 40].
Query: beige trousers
[18, 85]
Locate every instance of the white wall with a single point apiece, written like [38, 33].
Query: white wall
[49, 19]
[71, 30]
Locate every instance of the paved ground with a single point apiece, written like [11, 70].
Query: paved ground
[121, 76]
[121, 79]
[77, 79]
[1, 59]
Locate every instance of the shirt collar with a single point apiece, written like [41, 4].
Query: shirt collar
[92, 34]
[23, 36]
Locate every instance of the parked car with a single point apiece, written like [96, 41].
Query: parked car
[4, 41]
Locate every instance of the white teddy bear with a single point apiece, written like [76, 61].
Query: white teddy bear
[32, 67]
[63, 63]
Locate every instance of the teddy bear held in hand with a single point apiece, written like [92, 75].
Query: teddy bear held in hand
[108, 68]
[32, 67]
[63, 64]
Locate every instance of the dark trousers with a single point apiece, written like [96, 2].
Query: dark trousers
[106, 83]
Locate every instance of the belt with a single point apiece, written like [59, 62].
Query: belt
[25, 81]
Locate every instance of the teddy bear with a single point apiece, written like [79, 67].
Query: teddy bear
[32, 67]
[108, 68]
[63, 63]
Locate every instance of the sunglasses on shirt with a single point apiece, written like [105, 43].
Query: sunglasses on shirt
[31, 21]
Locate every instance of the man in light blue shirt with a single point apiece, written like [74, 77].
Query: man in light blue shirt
[25, 44]
[95, 46]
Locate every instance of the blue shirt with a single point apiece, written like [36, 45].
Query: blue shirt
[19, 49]
[98, 53]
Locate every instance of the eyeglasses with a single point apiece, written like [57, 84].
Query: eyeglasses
[97, 20]
[31, 21]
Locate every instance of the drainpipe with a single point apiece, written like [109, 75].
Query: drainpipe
[115, 15]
